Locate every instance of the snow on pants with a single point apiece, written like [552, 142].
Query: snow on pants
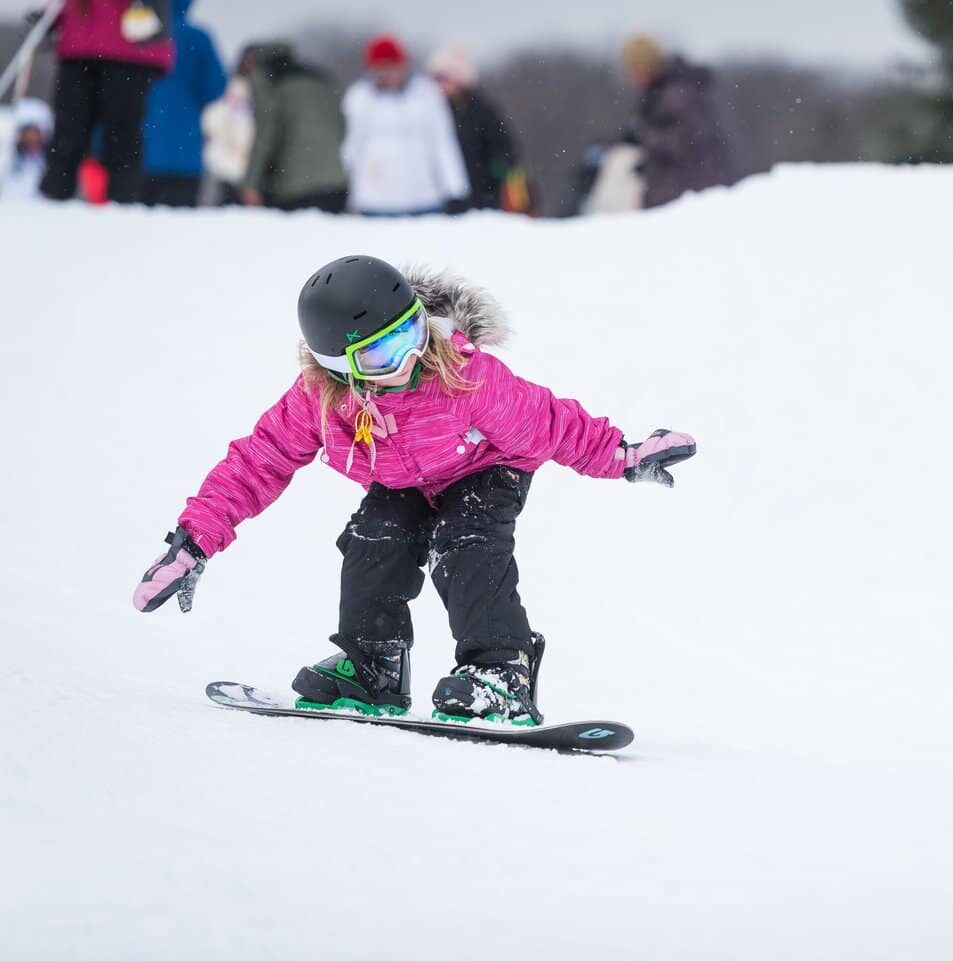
[468, 539]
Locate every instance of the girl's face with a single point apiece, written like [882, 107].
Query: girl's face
[402, 376]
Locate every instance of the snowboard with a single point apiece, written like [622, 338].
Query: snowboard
[590, 737]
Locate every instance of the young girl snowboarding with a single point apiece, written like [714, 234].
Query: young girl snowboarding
[397, 394]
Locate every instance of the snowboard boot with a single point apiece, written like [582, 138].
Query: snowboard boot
[374, 684]
[495, 692]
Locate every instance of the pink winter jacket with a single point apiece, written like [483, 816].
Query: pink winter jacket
[91, 30]
[432, 439]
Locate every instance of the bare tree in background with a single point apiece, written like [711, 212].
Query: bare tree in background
[780, 113]
[928, 135]
[558, 103]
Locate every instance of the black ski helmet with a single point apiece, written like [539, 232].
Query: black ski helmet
[350, 299]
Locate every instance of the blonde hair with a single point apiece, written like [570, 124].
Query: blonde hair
[441, 360]
[642, 52]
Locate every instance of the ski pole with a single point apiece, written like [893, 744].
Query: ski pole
[30, 43]
[22, 81]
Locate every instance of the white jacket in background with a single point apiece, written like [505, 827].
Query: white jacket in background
[20, 174]
[229, 128]
[401, 150]
[21, 183]
[617, 186]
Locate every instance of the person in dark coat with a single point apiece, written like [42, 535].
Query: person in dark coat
[172, 135]
[678, 127]
[295, 160]
[488, 149]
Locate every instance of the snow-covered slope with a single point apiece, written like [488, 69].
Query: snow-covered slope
[776, 628]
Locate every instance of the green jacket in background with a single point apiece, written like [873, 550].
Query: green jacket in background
[299, 128]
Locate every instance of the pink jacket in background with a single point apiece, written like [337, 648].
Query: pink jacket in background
[91, 30]
[432, 441]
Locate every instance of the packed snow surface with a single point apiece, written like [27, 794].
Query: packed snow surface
[776, 628]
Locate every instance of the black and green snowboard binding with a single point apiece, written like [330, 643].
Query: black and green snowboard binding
[374, 684]
[494, 692]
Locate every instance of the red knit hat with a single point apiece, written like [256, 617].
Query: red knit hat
[385, 50]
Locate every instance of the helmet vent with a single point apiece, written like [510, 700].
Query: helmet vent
[394, 289]
[352, 260]
[359, 316]
[317, 277]
[329, 278]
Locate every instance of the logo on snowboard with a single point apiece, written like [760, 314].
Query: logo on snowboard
[594, 733]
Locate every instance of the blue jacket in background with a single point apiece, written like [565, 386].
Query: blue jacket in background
[172, 135]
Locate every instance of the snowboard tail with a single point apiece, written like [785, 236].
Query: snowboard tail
[578, 736]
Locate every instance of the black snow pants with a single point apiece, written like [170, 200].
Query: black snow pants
[468, 540]
[114, 94]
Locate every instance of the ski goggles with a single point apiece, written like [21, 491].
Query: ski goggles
[383, 353]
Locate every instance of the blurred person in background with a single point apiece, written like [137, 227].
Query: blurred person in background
[33, 126]
[172, 132]
[678, 129]
[295, 159]
[109, 52]
[401, 149]
[496, 179]
[229, 129]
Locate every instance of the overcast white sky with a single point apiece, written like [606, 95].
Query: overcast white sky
[863, 33]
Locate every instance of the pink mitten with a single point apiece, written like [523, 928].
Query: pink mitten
[647, 461]
[176, 572]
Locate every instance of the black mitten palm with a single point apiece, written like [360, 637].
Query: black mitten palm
[663, 448]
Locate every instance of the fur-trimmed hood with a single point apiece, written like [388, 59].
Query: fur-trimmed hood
[472, 310]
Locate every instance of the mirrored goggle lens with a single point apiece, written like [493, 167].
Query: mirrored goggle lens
[387, 353]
